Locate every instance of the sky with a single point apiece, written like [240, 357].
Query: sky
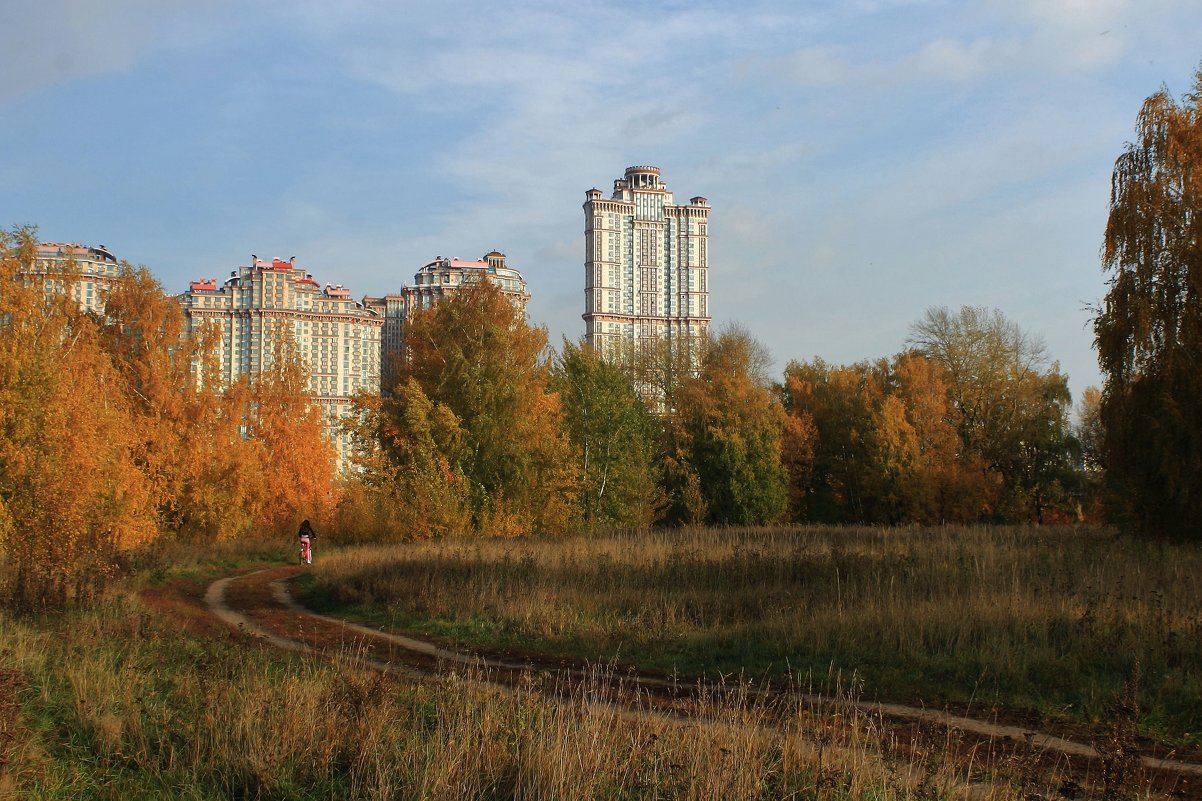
[865, 160]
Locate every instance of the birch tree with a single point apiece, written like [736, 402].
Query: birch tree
[1149, 329]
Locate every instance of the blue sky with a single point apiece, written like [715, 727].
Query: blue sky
[864, 160]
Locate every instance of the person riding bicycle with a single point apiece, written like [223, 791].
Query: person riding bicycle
[306, 536]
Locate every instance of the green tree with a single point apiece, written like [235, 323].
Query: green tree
[614, 436]
[725, 433]
[474, 354]
[839, 403]
[1149, 329]
[406, 483]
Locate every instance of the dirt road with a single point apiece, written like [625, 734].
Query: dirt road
[261, 605]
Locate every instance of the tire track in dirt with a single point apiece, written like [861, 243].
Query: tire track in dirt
[424, 659]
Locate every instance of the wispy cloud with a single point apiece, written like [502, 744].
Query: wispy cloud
[864, 158]
[46, 42]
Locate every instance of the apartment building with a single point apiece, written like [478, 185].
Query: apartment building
[646, 266]
[83, 272]
[434, 281]
[259, 308]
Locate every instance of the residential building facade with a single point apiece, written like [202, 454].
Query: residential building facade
[272, 305]
[436, 280]
[646, 267]
[83, 272]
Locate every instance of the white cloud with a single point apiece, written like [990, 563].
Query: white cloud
[940, 60]
[45, 42]
[983, 41]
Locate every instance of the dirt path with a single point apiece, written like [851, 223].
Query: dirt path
[261, 605]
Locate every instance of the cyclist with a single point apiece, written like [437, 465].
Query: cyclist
[306, 536]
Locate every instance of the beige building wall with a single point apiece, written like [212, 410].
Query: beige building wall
[336, 337]
[83, 272]
[646, 266]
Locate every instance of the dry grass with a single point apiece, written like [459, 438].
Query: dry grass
[1048, 619]
[118, 702]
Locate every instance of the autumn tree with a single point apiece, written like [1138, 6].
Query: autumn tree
[886, 444]
[928, 476]
[1010, 404]
[838, 402]
[1089, 431]
[799, 441]
[406, 480]
[474, 354]
[614, 437]
[725, 429]
[224, 481]
[1149, 329]
[72, 497]
[142, 330]
[1091, 437]
[298, 461]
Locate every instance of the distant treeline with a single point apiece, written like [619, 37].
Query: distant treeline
[116, 430]
[488, 431]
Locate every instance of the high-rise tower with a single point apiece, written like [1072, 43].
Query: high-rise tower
[645, 266]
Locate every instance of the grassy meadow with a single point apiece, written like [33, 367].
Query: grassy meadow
[142, 695]
[1051, 620]
[121, 701]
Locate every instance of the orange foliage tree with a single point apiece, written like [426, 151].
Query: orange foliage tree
[72, 494]
[885, 449]
[143, 332]
[298, 466]
[1149, 329]
[837, 403]
[1010, 405]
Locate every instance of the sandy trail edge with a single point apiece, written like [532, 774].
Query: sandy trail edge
[215, 601]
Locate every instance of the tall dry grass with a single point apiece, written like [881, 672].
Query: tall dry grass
[119, 702]
[1053, 620]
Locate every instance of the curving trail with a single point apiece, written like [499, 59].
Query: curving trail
[270, 613]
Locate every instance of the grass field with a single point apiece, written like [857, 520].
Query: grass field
[1051, 620]
[122, 701]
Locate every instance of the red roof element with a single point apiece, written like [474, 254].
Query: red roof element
[209, 285]
[274, 264]
[307, 281]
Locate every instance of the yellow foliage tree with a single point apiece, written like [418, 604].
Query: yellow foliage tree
[298, 462]
[72, 493]
[724, 432]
